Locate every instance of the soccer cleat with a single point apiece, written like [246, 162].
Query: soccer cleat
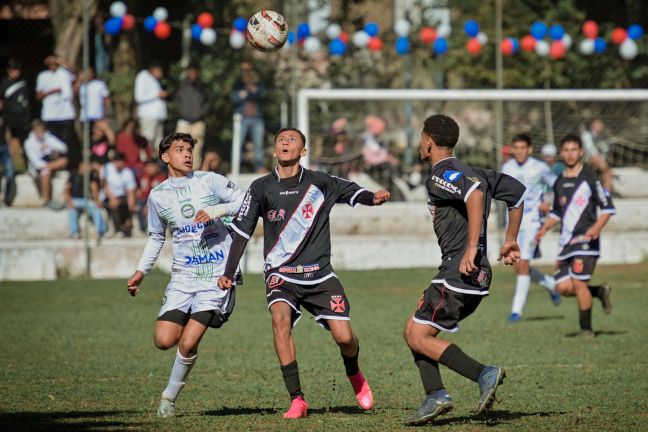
[489, 379]
[514, 318]
[586, 334]
[363, 392]
[167, 408]
[298, 409]
[434, 404]
[555, 298]
[605, 298]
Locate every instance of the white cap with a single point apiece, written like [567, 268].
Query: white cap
[549, 150]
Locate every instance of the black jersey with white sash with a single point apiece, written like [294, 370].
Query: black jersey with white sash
[295, 212]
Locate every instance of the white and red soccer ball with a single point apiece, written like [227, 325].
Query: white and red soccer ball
[267, 31]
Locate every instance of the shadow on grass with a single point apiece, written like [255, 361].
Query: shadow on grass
[238, 411]
[600, 333]
[492, 418]
[337, 410]
[76, 421]
[545, 318]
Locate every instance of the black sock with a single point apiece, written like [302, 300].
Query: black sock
[351, 363]
[461, 362]
[596, 290]
[429, 370]
[290, 374]
[586, 319]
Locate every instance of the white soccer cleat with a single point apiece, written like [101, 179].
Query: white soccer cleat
[167, 408]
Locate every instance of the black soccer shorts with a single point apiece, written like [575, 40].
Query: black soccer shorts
[579, 267]
[443, 308]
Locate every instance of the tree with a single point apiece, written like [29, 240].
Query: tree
[67, 19]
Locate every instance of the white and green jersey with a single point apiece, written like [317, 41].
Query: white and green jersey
[199, 249]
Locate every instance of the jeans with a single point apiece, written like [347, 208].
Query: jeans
[256, 128]
[79, 205]
[7, 164]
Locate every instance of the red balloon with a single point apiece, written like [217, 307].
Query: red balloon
[428, 35]
[162, 30]
[473, 46]
[205, 20]
[590, 29]
[344, 37]
[619, 34]
[128, 22]
[528, 43]
[375, 44]
[557, 50]
[507, 47]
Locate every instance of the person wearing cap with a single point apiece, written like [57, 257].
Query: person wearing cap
[549, 153]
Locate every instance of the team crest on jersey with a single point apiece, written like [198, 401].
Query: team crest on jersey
[337, 304]
[452, 176]
[578, 265]
[276, 215]
[188, 211]
[274, 281]
[307, 210]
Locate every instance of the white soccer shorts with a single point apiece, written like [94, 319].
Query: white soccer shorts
[527, 242]
[176, 296]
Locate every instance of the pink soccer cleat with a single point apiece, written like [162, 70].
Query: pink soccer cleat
[363, 393]
[298, 409]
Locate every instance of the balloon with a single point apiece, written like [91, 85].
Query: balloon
[291, 37]
[444, 31]
[360, 39]
[542, 48]
[567, 40]
[539, 30]
[600, 45]
[515, 43]
[240, 24]
[628, 49]
[333, 31]
[507, 47]
[205, 20]
[371, 29]
[471, 28]
[556, 32]
[440, 46]
[482, 38]
[557, 50]
[590, 29]
[402, 27]
[129, 22]
[337, 48]
[375, 44]
[402, 45]
[586, 46]
[208, 36]
[196, 31]
[344, 37]
[237, 39]
[312, 44]
[303, 31]
[427, 35]
[635, 31]
[118, 9]
[160, 14]
[150, 23]
[473, 46]
[113, 25]
[528, 43]
[619, 34]
[162, 30]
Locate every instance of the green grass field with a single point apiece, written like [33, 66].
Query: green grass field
[78, 356]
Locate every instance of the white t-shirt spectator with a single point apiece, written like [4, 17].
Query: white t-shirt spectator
[57, 106]
[118, 182]
[39, 150]
[147, 96]
[94, 92]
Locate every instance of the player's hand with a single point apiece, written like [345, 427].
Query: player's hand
[541, 233]
[467, 264]
[134, 281]
[202, 216]
[544, 208]
[593, 232]
[509, 253]
[381, 196]
[224, 283]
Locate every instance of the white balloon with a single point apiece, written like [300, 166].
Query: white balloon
[586, 46]
[402, 27]
[118, 9]
[360, 39]
[444, 31]
[542, 48]
[160, 14]
[236, 39]
[567, 41]
[333, 31]
[628, 49]
[208, 36]
[312, 44]
[482, 38]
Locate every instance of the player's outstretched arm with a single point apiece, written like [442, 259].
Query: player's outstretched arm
[595, 230]
[550, 222]
[239, 243]
[134, 282]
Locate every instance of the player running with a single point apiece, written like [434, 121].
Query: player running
[577, 194]
[192, 299]
[536, 176]
[459, 199]
[295, 203]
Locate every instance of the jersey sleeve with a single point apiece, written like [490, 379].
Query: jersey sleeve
[249, 212]
[506, 188]
[453, 184]
[345, 190]
[602, 197]
[227, 192]
[156, 237]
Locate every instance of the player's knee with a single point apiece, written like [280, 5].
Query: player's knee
[188, 348]
[565, 288]
[164, 343]
[281, 323]
[344, 338]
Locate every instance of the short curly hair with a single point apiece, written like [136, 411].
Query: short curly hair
[442, 129]
[166, 142]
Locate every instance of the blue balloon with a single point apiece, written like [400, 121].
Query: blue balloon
[556, 32]
[538, 30]
[113, 25]
[635, 31]
[515, 44]
[600, 45]
[240, 24]
[440, 46]
[337, 47]
[196, 31]
[402, 45]
[291, 37]
[371, 29]
[303, 31]
[149, 23]
[471, 28]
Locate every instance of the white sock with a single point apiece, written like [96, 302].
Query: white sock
[545, 281]
[522, 284]
[179, 372]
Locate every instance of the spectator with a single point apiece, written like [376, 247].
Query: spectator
[46, 154]
[213, 162]
[378, 160]
[7, 164]
[119, 187]
[16, 100]
[151, 108]
[102, 145]
[94, 97]
[76, 202]
[54, 88]
[247, 96]
[193, 100]
[549, 152]
[596, 149]
[133, 146]
[149, 178]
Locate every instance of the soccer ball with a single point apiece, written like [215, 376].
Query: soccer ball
[267, 31]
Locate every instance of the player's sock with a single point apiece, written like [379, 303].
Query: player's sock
[461, 362]
[179, 372]
[522, 284]
[429, 370]
[290, 374]
[351, 363]
[545, 281]
[586, 319]
[596, 290]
